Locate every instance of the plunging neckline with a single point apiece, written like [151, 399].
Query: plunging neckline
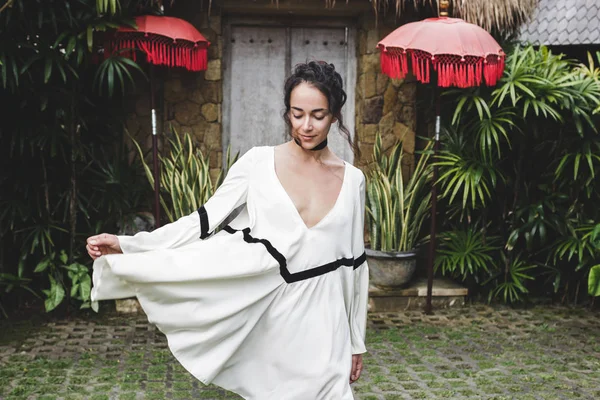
[291, 202]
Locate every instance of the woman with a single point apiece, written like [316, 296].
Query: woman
[273, 306]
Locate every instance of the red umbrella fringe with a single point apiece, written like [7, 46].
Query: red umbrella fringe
[193, 58]
[451, 70]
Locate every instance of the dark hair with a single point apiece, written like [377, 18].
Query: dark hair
[323, 77]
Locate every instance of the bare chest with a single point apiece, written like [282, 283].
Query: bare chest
[312, 191]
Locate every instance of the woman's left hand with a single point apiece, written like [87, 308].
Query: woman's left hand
[357, 366]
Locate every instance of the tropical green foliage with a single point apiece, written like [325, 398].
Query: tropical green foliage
[62, 163]
[396, 206]
[466, 254]
[521, 159]
[80, 281]
[185, 176]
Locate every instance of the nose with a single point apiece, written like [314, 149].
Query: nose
[307, 124]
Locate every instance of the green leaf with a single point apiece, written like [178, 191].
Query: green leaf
[90, 37]
[63, 257]
[48, 70]
[42, 265]
[74, 289]
[55, 295]
[85, 288]
[594, 281]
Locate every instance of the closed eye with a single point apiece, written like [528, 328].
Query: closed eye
[317, 117]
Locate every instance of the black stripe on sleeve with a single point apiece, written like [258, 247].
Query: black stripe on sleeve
[203, 222]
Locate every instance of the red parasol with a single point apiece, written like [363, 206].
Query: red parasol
[462, 55]
[465, 55]
[167, 41]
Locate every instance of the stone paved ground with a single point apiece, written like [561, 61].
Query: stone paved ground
[475, 352]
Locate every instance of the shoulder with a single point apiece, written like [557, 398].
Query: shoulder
[356, 174]
[254, 154]
[258, 151]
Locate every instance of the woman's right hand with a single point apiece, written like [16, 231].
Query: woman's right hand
[103, 244]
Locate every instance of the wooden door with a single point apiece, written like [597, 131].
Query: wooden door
[260, 58]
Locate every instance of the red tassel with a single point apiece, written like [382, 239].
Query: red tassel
[131, 51]
[461, 77]
[383, 60]
[414, 64]
[392, 65]
[442, 75]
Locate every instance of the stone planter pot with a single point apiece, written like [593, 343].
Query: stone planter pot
[391, 270]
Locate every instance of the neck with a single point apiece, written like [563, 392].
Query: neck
[315, 153]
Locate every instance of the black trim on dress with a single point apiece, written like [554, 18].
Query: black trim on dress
[203, 222]
[302, 275]
[360, 260]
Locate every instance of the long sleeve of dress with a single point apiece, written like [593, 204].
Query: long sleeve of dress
[359, 303]
[199, 224]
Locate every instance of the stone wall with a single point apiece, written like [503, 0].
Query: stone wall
[383, 106]
[193, 100]
[188, 102]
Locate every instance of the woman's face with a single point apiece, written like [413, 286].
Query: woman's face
[309, 115]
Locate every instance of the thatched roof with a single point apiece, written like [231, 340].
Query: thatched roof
[496, 14]
[492, 15]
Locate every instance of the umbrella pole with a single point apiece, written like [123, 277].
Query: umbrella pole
[155, 152]
[428, 307]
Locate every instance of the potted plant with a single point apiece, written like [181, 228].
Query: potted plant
[396, 208]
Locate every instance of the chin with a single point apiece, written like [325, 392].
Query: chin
[309, 143]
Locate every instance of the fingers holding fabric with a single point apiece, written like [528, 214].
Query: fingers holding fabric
[102, 244]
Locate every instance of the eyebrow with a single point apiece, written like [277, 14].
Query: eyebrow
[315, 110]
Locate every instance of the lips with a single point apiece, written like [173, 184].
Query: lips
[307, 137]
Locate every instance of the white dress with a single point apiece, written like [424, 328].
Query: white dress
[267, 307]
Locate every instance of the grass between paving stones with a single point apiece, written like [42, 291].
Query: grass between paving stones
[471, 353]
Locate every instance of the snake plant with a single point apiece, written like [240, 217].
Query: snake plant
[396, 207]
[185, 176]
